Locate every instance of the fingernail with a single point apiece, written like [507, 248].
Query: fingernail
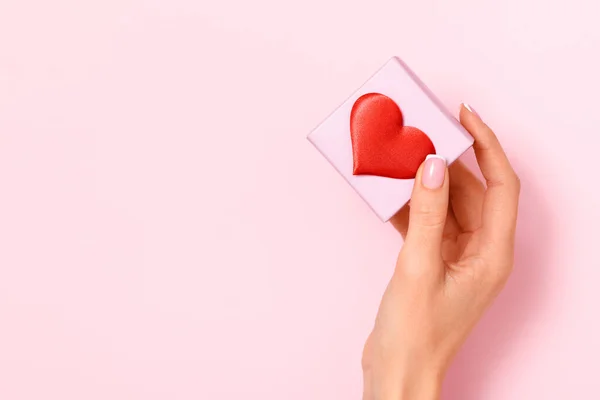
[434, 172]
[471, 109]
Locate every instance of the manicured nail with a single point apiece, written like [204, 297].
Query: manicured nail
[434, 172]
[471, 109]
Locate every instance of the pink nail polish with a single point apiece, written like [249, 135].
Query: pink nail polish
[434, 172]
[471, 109]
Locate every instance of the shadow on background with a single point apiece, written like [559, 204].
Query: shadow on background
[491, 340]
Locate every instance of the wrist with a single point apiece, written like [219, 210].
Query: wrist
[403, 384]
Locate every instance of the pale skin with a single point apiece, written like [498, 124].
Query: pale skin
[457, 255]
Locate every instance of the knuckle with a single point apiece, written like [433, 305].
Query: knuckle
[508, 181]
[492, 275]
[517, 182]
[503, 273]
[486, 140]
[429, 215]
[492, 139]
[498, 275]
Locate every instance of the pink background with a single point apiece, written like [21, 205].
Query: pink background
[167, 232]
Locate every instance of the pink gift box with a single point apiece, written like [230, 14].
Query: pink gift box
[393, 97]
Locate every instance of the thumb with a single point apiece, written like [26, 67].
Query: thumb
[429, 208]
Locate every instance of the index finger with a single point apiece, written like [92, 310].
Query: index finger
[501, 200]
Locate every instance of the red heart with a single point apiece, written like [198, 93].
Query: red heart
[381, 144]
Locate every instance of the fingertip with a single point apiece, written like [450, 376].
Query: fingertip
[468, 115]
[433, 175]
[470, 109]
[462, 111]
[473, 123]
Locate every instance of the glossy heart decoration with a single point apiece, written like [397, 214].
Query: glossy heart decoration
[381, 144]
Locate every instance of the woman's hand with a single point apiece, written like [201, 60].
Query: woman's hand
[457, 255]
